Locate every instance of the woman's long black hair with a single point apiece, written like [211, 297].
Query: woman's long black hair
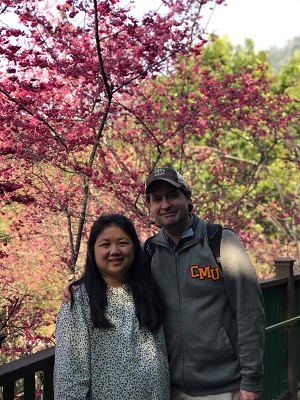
[148, 303]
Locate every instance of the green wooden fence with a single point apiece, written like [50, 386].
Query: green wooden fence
[282, 347]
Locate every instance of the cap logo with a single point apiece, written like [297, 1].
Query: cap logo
[159, 171]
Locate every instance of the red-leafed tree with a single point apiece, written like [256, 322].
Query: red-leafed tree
[68, 69]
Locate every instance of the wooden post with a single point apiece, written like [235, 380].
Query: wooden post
[284, 269]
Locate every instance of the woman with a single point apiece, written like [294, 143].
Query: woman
[109, 338]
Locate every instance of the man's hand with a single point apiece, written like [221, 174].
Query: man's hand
[244, 395]
[66, 293]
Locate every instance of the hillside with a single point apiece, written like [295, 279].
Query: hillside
[279, 57]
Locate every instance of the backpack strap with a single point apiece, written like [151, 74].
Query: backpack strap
[214, 236]
[149, 247]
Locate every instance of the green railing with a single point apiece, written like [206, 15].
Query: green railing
[33, 374]
[275, 359]
[28, 378]
[282, 347]
[297, 304]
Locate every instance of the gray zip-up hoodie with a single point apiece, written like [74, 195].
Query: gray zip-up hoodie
[214, 321]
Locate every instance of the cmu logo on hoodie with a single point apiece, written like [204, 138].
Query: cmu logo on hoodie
[207, 272]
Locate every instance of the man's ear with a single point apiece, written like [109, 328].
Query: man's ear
[188, 195]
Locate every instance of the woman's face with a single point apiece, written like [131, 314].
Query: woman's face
[114, 254]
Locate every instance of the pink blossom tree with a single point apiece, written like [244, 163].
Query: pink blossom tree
[68, 70]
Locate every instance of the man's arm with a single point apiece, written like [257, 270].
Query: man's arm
[244, 395]
[66, 295]
[246, 300]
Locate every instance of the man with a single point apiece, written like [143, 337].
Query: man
[214, 319]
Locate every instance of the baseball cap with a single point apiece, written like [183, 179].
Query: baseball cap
[166, 174]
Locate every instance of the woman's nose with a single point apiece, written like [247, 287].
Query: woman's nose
[114, 249]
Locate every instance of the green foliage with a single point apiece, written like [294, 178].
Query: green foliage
[219, 54]
[288, 80]
[238, 143]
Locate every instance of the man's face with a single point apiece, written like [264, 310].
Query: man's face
[169, 205]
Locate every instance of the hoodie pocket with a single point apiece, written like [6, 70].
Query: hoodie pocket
[224, 345]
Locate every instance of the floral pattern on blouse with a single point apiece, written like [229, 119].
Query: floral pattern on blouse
[122, 363]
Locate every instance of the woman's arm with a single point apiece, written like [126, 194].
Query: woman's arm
[72, 352]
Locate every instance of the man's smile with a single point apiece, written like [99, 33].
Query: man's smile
[169, 213]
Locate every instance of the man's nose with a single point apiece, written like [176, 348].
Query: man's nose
[165, 203]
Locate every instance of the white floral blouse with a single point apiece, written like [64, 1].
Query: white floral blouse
[122, 363]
